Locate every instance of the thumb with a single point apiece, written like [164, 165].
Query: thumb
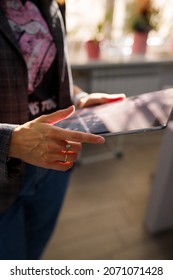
[57, 116]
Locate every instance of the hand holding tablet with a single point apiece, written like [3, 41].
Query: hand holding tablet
[140, 113]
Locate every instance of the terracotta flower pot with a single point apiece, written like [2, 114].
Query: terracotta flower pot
[93, 49]
[140, 43]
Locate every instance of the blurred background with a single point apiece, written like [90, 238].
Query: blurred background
[115, 22]
[120, 200]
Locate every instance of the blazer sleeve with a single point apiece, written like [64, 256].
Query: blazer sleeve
[7, 169]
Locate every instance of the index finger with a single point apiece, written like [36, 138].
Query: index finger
[82, 137]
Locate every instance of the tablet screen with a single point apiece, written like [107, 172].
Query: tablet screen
[140, 113]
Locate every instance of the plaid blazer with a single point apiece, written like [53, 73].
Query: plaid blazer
[13, 94]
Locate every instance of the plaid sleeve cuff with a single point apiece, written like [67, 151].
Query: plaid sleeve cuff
[7, 167]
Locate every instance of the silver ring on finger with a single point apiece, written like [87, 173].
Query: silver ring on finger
[67, 147]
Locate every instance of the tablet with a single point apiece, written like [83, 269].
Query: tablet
[139, 113]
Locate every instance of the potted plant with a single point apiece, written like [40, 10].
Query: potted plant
[93, 45]
[141, 17]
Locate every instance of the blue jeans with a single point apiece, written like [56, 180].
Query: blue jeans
[26, 227]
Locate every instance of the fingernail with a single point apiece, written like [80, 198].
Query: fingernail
[100, 140]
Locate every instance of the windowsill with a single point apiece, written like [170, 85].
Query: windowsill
[78, 56]
[84, 62]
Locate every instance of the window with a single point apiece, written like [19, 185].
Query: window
[83, 16]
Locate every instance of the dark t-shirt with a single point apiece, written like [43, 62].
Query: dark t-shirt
[39, 52]
[44, 98]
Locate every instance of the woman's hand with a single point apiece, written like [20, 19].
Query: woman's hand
[40, 143]
[100, 98]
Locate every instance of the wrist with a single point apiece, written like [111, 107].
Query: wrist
[78, 97]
